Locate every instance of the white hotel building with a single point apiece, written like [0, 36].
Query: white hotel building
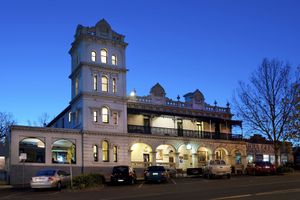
[103, 127]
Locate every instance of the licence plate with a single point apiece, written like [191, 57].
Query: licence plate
[120, 180]
[155, 173]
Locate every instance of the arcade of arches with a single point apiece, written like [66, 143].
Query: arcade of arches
[183, 157]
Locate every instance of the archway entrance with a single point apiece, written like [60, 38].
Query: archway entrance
[221, 154]
[185, 157]
[203, 156]
[141, 155]
[165, 155]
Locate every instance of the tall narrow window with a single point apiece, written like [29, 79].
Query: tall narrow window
[103, 56]
[76, 86]
[95, 153]
[105, 115]
[105, 151]
[115, 118]
[93, 56]
[70, 117]
[104, 81]
[115, 154]
[95, 82]
[114, 84]
[114, 60]
[95, 116]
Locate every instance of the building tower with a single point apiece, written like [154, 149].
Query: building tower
[98, 76]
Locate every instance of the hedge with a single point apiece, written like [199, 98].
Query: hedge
[87, 181]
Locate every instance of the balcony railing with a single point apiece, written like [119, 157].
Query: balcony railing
[183, 133]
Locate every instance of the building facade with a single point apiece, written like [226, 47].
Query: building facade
[103, 126]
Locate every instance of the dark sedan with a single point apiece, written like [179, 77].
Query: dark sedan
[156, 173]
[261, 168]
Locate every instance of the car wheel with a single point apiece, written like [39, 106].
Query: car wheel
[228, 176]
[58, 186]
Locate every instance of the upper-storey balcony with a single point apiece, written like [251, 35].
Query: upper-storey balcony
[183, 133]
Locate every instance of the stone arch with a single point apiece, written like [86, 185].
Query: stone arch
[165, 155]
[140, 154]
[34, 148]
[63, 151]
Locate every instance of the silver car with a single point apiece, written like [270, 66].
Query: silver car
[50, 178]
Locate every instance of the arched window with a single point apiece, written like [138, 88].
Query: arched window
[34, 149]
[105, 115]
[105, 151]
[95, 153]
[115, 154]
[63, 152]
[114, 60]
[104, 81]
[103, 56]
[93, 56]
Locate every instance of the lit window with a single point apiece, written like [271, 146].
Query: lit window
[115, 118]
[63, 152]
[114, 60]
[76, 86]
[34, 149]
[95, 82]
[95, 116]
[104, 84]
[114, 84]
[105, 116]
[93, 56]
[103, 56]
[95, 153]
[70, 116]
[115, 154]
[105, 151]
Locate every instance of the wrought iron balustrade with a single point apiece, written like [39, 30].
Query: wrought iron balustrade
[183, 133]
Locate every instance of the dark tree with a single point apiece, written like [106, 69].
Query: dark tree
[265, 103]
[6, 120]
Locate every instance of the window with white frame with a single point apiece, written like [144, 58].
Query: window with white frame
[95, 116]
[95, 153]
[95, 82]
[104, 83]
[70, 117]
[103, 56]
[115, 118]
[105, 115]
[114, 84]
[105, 151]
[76, 86]
[115, 154]
[93, 56]
[114, 60]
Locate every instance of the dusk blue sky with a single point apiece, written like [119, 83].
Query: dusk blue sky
[184, 45]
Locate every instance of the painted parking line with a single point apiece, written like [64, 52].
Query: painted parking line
[173, 181]
[141, 185]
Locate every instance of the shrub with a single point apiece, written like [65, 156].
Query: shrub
[88, 181]
[284, 169]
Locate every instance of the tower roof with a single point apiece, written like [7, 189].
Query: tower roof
[158, 91]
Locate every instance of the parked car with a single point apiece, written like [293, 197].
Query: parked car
[217, 168]
[123, 174]
[260, 168]
[50, 178]
[156, 173]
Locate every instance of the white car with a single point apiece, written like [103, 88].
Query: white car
[50, 178]
[217, 168]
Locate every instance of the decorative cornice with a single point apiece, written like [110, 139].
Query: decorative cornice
[45, 129]
[97, 66]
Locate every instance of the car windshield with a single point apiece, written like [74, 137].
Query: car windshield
[49, 172]
[217, 162]
[156, 168]
[120, 170]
